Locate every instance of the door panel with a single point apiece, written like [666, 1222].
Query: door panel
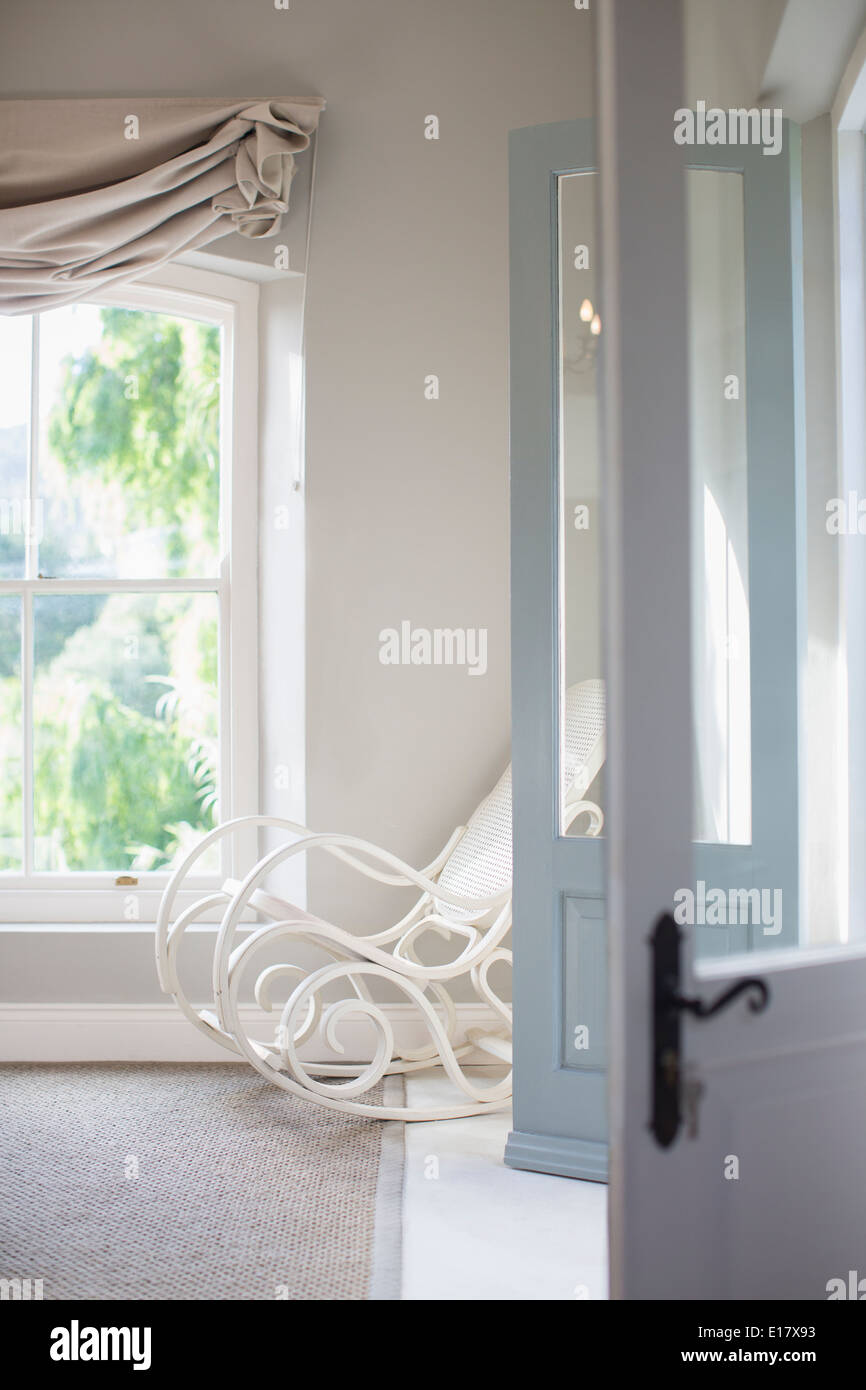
[761, 1196]
[584, 984]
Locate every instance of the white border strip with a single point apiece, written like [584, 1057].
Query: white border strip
[386, 1273]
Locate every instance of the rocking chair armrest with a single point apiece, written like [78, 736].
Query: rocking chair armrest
[347, 848]
[577, 808]
[436, 864]
[228, 827]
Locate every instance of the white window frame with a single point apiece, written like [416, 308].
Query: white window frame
[849, 167]
[98, 897]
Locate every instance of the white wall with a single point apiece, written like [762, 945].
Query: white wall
[408, 515]
[727, 46]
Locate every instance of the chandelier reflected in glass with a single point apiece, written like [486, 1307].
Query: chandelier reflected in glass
[581, 348]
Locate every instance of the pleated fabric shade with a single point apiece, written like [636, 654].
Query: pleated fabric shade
[97, 192]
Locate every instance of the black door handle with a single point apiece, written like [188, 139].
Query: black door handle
[668, 1007]
[758, 1001]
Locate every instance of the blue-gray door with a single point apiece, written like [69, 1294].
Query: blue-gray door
[560, 1102]
[746, 532]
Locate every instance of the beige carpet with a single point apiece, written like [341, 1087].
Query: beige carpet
[192, 1182]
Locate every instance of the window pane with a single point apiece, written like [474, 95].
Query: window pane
[125, 729]
[15, 337]
[720, 522]
[579, 475]
[11, 763]
[129, 443]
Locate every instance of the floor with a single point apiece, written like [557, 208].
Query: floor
[182, 1181]
[474, 1229]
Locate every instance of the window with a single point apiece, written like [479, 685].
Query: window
[127, 593]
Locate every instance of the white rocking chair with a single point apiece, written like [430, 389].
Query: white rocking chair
[465, 892]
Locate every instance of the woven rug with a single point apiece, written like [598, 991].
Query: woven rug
[140, 1181]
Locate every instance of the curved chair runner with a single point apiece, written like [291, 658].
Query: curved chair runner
[465, 893]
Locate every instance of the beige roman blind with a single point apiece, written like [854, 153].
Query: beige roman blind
[96, 192]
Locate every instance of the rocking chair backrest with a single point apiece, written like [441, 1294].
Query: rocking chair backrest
[481, 862]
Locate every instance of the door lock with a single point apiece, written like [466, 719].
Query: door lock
[668, 1007]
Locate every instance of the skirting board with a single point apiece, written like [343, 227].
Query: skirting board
[567, 1158]
[161, 1033]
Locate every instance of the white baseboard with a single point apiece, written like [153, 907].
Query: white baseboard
[161, 1033]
